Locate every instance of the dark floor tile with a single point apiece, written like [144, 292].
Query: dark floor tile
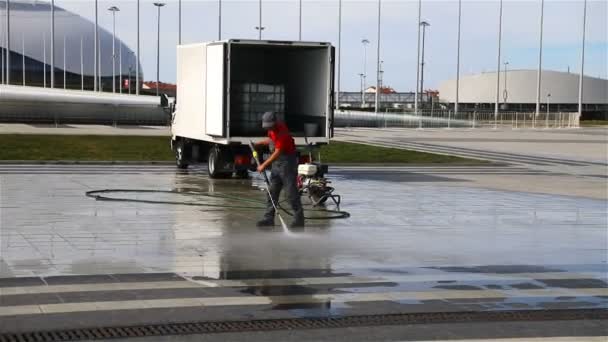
[23, 281]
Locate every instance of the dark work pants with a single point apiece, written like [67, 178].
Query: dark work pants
[284, 173]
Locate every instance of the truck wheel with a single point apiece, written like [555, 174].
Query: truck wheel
[213, 164]
[180, 155]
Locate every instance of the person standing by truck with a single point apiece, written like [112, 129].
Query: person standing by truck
[284, 169]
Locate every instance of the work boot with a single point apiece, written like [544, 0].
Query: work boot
[266, 222]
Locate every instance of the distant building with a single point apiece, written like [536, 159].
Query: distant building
[558, 89]
[383, 90]
[352, 99]
[163, 88]
[30, 23]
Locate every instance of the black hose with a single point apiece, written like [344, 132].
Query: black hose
[100, 195]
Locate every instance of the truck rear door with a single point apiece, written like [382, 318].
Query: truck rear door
[215, 111]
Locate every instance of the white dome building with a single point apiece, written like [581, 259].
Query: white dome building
[30, 31]
[559, 89]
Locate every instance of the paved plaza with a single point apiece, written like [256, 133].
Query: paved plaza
[525, 235]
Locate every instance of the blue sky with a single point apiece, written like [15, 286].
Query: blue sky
[562, 33]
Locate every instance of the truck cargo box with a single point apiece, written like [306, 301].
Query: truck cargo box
[224, 87]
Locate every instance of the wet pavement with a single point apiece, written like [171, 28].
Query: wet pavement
[418, 240]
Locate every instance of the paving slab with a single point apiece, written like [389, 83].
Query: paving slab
[419, 239]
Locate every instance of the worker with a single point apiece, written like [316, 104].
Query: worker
[284, 170]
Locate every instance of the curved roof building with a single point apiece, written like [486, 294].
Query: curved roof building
[30, 36]
[518, 90]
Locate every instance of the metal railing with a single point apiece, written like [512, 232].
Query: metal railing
[448, 119]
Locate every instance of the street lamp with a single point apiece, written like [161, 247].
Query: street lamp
[120, 68]
[540, 59]
[52, 44]
[498, 66]
[65, 84]
[132, 54]
[339, 50]
[424, 25]
[381, 72]
[457, 64]
[96, 49]
[365, 42]
[158, 5]
[362, 76]
[505, 93]
[43, 58]
[8, 42]
[179, 22]
[23, 58]
[377, 104]
[380, 83]
[260, 28]
[81, 63]
[114, 9]
[580, 80]
[2, 53]
[547, 118]
[137, 57]
[300, 27]
[418, 64]
[219, 21]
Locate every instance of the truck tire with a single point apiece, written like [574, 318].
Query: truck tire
[180, 155]
[213, 161]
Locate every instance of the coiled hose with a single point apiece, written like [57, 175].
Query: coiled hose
[254, 204]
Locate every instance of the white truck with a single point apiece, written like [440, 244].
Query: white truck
[224, 88]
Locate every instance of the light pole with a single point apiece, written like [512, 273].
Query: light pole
[424, 25]
[540, 60]
[381, 72]
[95, 49]
[137, 57]
[81, 64]
[339, 50]
[378, 59]
[418, 64]
[300, 30]
[131, 70]
[23, 58]
[365, 42]
[114, 9]
[260, 27]
[457, 64]
[100, 79]
[120, 68]
[179, 22]
[498, 67]
[505, 92]
[362, 76]
[547, 118]
[44, 59]
[52, 43]
[219, 24]
[580, 80]
[2, 53]
[8, 42]
[158, 5]
[64, 63]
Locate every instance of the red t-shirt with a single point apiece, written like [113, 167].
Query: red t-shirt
[282, 139]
